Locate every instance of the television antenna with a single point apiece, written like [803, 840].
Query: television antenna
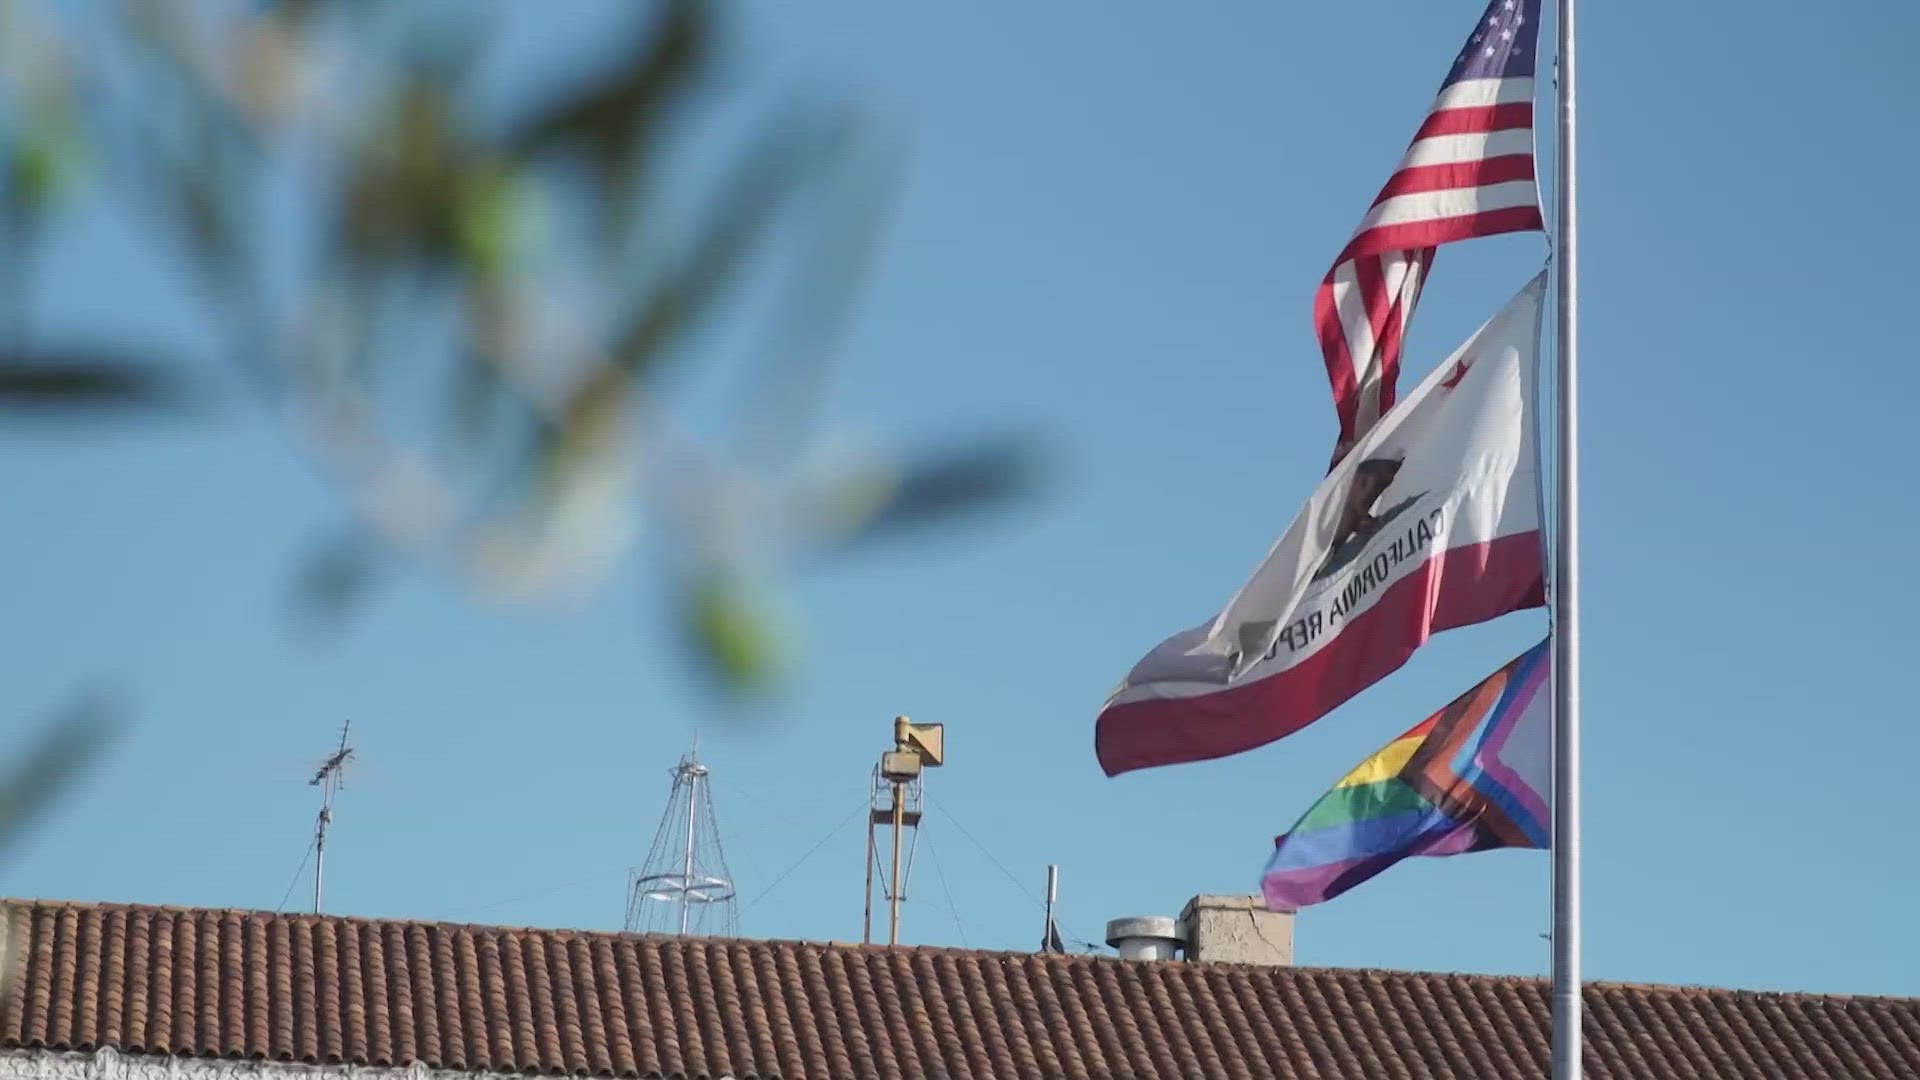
[330, 778]
[684, 886]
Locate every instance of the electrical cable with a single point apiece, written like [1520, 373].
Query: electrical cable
[1021, 885]
[284, 897]
[864, 806]
[941, 873]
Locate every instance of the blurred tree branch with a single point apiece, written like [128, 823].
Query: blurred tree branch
[435, 247]
[66, 745]
[437, 243]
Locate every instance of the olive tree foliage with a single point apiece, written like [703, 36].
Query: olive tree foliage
[467, 306]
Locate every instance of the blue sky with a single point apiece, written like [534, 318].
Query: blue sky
[1112, 223]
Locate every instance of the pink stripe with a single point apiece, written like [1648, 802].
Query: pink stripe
[1527, 790]
[1464, 586]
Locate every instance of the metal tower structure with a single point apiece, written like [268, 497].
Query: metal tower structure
[893, 802]
[684, 887]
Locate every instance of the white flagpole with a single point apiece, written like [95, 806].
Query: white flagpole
[1566, 584]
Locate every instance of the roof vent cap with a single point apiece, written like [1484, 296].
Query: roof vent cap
[1145, 937]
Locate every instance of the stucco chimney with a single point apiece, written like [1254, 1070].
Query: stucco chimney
[1236, 930]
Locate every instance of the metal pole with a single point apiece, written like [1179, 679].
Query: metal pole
[1053, 892]
[320, 849]
[866, 925]
[899, 823]
[1566, 591]
[689, 773]
[328, 780]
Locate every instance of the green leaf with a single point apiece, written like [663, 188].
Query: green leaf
[490, 218]
[731, 627]
[404, 194]
[40, 166]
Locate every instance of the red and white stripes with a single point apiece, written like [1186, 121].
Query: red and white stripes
[1468, 173]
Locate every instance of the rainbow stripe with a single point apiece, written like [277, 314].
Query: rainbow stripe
[1471, 777]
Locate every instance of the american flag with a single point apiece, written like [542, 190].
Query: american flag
[1468, 173]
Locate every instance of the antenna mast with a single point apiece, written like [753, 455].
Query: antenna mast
[894, 801]
[684, 886]
[330, 778]
[1050, 939]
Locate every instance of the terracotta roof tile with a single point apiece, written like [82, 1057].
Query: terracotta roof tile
[302, 988]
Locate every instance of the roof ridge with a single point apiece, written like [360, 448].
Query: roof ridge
[245, 983]
[1374, 974]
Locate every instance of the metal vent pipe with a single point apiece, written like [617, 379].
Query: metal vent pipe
[1145, 937]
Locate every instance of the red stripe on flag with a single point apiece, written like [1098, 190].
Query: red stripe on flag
[1478, 120]
[1419, 234]
[1373, 293]
[1484, 169]
[1394, 327]
[1384, 317]
[1386, 324]
[1333, 347]
[1464, 586]
[1421, 179]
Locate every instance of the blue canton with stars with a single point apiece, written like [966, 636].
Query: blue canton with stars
[1502, 45]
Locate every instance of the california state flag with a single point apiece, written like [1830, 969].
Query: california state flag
[1431, 522]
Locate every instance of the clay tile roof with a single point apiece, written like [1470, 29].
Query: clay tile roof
[299, 988]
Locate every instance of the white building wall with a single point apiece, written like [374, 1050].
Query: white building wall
[108, 1064]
